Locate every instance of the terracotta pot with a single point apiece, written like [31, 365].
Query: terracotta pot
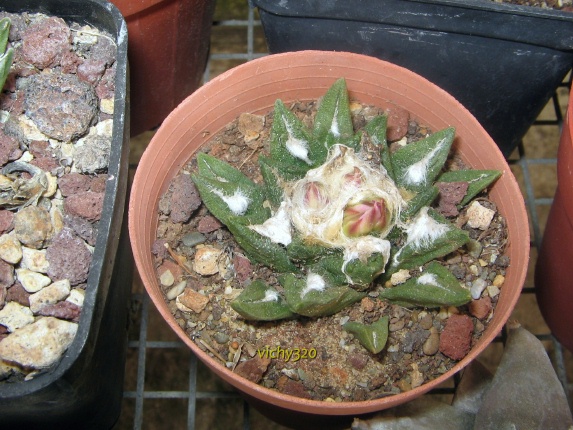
[306, 75]
[554, 271]
[168, 47]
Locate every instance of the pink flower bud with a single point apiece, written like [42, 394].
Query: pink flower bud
[364, 218]
[354, 178]
[314, 196]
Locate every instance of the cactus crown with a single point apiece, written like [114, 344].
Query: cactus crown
[330, 222]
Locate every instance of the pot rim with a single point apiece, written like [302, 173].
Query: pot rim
[324, 65]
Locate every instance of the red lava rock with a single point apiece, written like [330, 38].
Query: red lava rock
[82, 227]
[451, 194]
[98, 183]
[106, 86]
[8, 147]
[60, 105]
[480, 308]
[74, 183]
[44, 42]
[88, 205]
[91, 70]
[70, 61]
[295, 388]
[243, 268]
[48, 164]
[103, 54]
[158, 248]
[253, 369]
[17, 293]
[184, 198]
[398, 119]
[6, 221]
[208, 223]
[6, 273]
[455, 340]
[358, 361]
[68, 258]
[3, 292]
[63, 310]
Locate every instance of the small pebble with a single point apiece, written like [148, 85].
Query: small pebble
[479, 216]
[477, 288]
[176, 290]
[432, 344]
[221, 338]
[166, 278]
[34, 260]
[498, 281]
[10, 249]
[206, 260]
[32, 281]
[192, 239]
[492, 291]
[14, 316]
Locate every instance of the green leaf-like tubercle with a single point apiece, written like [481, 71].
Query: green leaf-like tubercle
[373, 337]
[416, 253]
[477, 180]
[216, 179]
[376, 130]
[359, 273]
[418, 164]
[333, 122]
[260, 248]
[293, 148]
[272, 179]
[436, 287]
[260, 302]
[6, 55]
[316, 303]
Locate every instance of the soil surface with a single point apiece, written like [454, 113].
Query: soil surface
[56, 112]
[565, 5]
[201, 269]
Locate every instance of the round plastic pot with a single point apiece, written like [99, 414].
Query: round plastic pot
[254, 87]
[168, 49]
[501, 61]
[84, 389]
[554, 271]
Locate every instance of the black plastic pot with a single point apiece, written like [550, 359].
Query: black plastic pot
[503, 62]
[85, 389]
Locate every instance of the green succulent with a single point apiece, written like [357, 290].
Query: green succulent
[6, 55]
[331, 223]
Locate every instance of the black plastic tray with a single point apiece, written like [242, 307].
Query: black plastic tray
[85, 389]
[503, 62]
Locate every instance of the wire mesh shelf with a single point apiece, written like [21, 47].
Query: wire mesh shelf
[186, 382]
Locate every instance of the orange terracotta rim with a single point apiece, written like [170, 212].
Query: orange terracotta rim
[253, 87]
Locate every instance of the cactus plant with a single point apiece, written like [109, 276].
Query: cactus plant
[331, 222]
[6, 54]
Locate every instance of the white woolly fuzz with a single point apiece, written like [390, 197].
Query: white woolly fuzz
[428, 279]
[314, 282]
[362, 248]
[270, 296]
[322, 224]
[334, 126]
[298, 148]
[277, 228]
[416, 174]
[238, 203]
[424, 230]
